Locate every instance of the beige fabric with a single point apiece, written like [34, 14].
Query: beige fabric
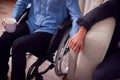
[82, 65]
[87, 5]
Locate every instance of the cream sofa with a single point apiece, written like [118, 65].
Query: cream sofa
[82, 65]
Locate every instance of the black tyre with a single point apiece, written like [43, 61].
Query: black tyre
[61, 58]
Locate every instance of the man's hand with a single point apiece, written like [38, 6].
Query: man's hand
[76, 42]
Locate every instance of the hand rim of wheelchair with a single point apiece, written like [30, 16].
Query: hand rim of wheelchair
[60, 54]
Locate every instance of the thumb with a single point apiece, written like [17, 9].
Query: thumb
[3, 23]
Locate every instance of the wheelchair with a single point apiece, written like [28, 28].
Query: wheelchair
[56, 53]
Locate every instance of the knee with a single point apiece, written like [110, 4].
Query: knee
[17, 47]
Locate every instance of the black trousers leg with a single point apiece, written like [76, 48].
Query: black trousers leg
[35, 43]
[6, 41]
[109, 69]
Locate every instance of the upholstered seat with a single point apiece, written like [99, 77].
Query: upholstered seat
[97, 41]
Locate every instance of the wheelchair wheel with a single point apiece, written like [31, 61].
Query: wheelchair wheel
[61, 58]
[32, 72]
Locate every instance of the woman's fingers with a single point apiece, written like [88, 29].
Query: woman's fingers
[77, 48]
[71, 44]
[74, 46]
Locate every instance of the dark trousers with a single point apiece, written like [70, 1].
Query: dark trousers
[109, 69]
[20, 42]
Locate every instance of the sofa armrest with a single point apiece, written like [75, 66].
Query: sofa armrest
[98, 39]
[96, 44]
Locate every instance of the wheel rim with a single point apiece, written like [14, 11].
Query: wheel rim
[62, 57]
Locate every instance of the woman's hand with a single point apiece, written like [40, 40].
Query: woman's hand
[76, 42]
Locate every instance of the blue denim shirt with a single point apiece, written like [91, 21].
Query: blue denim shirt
[45, 15]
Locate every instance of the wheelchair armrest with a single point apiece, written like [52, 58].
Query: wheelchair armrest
[55, 41]
[66, 24]
[24, 16]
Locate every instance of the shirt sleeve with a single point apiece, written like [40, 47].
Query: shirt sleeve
[74, 11]
[19, 7]
[73, 8]
[108, 9]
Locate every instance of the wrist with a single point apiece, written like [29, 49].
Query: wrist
[82, 31]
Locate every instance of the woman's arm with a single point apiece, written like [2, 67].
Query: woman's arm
[77, 40]
[108, 9]
[105, 10]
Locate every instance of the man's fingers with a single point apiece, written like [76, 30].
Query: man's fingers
[3, 22]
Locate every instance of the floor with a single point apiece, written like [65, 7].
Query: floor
[6, 7]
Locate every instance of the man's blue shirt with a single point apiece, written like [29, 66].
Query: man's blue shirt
[45, 15]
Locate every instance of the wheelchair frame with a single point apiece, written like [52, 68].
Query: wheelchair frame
[57, 48]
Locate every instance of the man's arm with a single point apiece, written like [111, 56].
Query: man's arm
[74, 11]
[19, 7]
[73, 8]
[108, 9]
